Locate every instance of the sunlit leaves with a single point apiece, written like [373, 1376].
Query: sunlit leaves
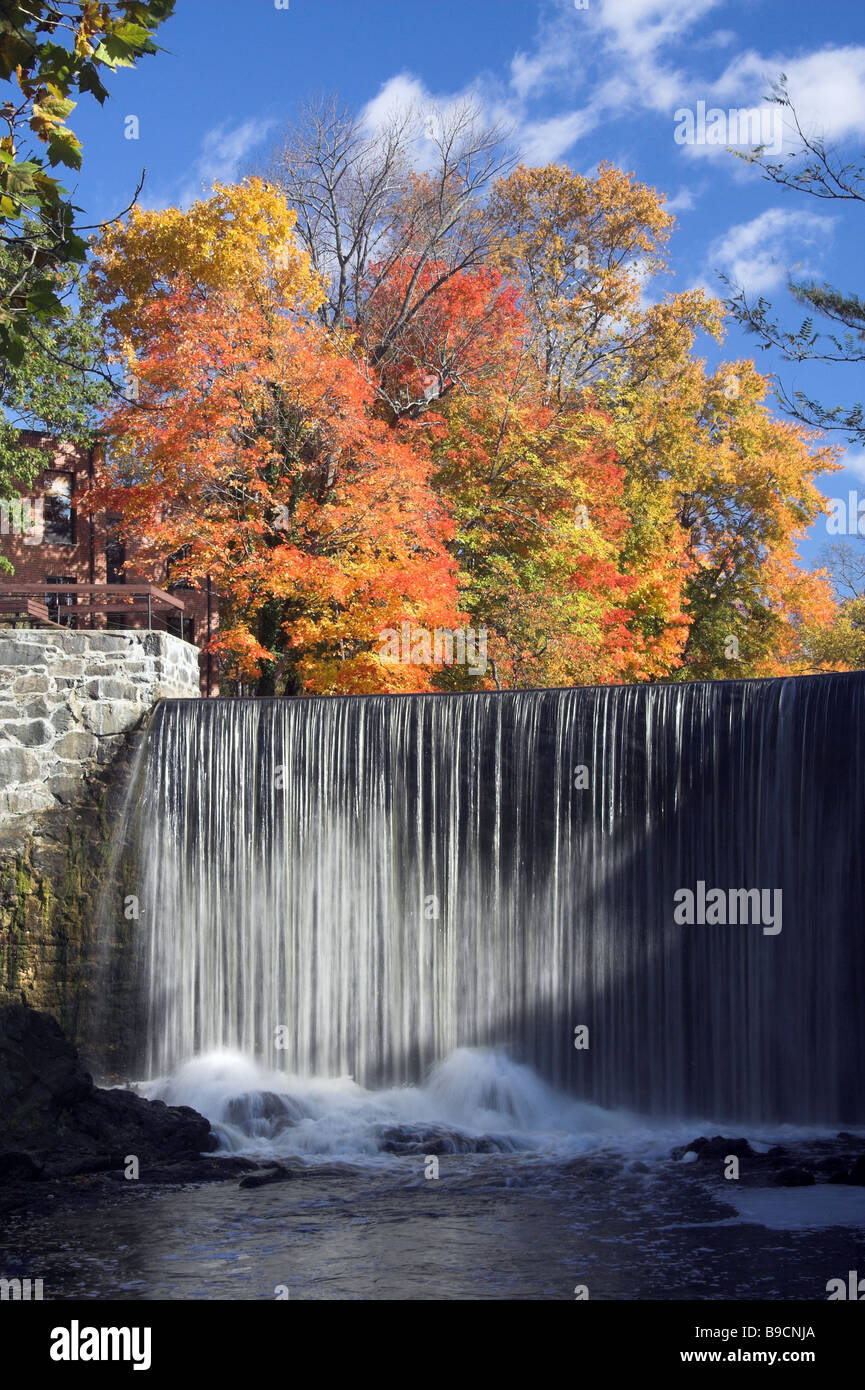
[51, 52]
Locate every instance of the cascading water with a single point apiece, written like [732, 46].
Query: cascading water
[362, 885]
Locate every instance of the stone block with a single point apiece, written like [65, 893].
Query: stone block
[116, 717]
[17, 765]
[31, 732]
[37, 683]
[77, 744]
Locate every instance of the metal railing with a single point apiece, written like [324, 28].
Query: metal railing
[33, 602]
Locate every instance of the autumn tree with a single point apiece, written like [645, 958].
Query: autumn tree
[716, 490]
[838, 644]
[706, 459]
[253, 452]
[584, 251]
[537, 507]
[537, 450]
[371, 202]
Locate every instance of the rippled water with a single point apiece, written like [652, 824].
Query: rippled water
[570, 1196]
[491, 1227]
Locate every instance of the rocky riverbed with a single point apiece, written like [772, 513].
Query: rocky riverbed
[436, 1212]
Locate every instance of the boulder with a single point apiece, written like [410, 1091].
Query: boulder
[53, 1115]
[793, 1177]
[715, 1150]
[278, 1174]
[426, 1140]
[853, 1177]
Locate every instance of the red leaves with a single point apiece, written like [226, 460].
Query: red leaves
[254, 448]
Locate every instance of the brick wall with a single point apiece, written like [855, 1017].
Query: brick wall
[90, 554]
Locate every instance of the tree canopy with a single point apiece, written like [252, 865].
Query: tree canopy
[491, 416]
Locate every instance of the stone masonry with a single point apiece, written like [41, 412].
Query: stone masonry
[67, 702]
[71, 704]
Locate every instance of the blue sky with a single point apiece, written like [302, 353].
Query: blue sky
[576, 85]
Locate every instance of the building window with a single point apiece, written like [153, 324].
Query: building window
[115, 552]
[58, 607]
[58, 511]
[171, 566]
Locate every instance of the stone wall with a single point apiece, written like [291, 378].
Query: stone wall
[72, 705]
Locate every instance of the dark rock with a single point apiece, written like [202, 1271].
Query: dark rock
[278, 1174]
[51, 1110]
[188, 1171]
[19, 1167]
[835, 1167]
[79, 1166]
[263, 1112]
[793, 1177]
[313, 1172]
[593, 1170]
[715, 1150]
[435, 1139]
[853, 1177]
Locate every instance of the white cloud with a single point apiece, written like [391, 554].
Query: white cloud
[853, 461]
[720, 38]
[555, 59]
[610, 50]
[401, 93]
[684, 201]
[639, 28]
[543, 142]
[827, 87]
[223, 150]
[622, 57]
[758, 255]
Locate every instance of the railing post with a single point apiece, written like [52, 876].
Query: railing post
[149, 617]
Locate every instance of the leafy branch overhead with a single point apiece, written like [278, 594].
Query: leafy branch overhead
[833, 330]
[52, 51]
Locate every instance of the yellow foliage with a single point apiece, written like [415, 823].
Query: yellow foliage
[240, 238]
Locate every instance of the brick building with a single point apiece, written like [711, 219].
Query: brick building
[52, 538]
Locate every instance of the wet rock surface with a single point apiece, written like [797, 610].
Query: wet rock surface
[840, 1160]
[56, 1124]
[436, 1140]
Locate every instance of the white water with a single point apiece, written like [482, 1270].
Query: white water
[371, 886]
[473, 1094]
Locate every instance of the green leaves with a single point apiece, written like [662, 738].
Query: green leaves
[49, 74]
[64, 148]
[54, 108]
[52, 376]
[90, 81]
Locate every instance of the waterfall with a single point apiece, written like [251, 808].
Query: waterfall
[361, 885]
